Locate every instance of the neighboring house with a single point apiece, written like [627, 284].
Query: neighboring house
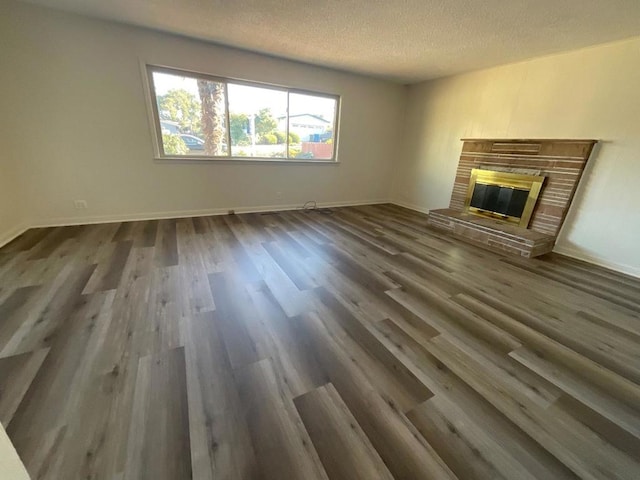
[305, 124]
[168, 126]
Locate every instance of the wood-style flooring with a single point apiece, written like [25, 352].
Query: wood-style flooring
[352, 344]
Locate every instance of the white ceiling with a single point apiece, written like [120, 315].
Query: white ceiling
[400, 40]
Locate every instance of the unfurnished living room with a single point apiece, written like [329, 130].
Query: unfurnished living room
[292, 240]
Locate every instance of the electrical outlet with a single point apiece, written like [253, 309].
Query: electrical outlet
[279, 195]
[80, 204]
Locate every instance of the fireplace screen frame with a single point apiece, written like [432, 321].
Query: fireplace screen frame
[531, 183]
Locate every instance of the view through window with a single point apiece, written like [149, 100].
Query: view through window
[202, 116]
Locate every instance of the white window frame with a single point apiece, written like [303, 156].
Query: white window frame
[154, 118]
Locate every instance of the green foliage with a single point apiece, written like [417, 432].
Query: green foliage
[294, 137]
[268, 139]
[294, 152]
[183, 107]
[281, 136]
[238, 124]
[204, 119]
[265, 123]
[266, 132]
[173, 144]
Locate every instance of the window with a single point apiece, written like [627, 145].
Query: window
[200, 116]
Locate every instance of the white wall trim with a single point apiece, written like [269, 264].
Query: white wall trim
[601, 262]
[15, 232]
[410, 206]
[66, 221]
[60, 222]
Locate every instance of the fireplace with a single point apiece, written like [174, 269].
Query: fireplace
[507, 196]
[512, 195]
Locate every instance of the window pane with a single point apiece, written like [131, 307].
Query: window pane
[192, 115]
[311, 126]
[257, 120]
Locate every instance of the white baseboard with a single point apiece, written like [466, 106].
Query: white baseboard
[6, 237]
[130, 217]
[579, 255]
[410, 206]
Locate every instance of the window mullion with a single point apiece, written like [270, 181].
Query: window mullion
[287, 129]
[228, 119]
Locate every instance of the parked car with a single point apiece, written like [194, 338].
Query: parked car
[192, 142]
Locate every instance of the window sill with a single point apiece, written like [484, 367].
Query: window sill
[246, 160]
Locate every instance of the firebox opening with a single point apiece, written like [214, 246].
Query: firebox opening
[506, 201]
[503, 195]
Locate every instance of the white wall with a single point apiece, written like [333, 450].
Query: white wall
[11, 467]
[13, 216]
[13, 219]
[589, 93]
[74, 104]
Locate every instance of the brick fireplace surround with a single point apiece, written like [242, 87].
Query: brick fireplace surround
[561, 162]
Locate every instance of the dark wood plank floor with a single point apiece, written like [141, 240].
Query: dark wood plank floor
[353, 344]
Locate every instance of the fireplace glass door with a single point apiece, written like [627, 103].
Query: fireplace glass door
[507, 196]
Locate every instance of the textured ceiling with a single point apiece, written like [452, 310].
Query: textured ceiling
[400, 40]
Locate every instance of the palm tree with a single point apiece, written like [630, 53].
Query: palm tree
[213, 116]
